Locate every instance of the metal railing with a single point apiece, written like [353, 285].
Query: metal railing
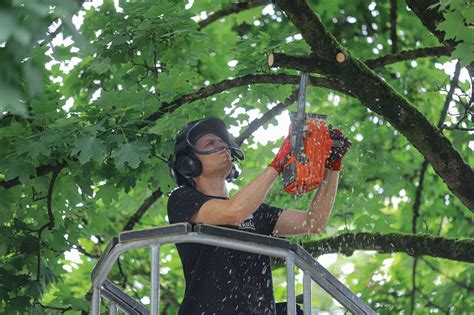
[294, 255]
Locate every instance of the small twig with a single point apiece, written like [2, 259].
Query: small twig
[432, 304]
[135, 218]
[257, 123]
[449, 97]
[393, 25]
[49, 224]
[56, 308]
[413, 286]
[234, 8]
[82, 250]
[50, 198]
[453, 280]
[122, 273]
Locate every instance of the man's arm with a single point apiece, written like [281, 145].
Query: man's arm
[247, 200]
[295, 222]
[241, 205]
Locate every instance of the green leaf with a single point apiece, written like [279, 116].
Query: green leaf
[19, 168]
[453, 22]
[89, 148]
[464, 52]
[33, 148]
[131, 153]
[468, 13]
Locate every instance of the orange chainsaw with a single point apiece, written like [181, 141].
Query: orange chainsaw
[311, 145]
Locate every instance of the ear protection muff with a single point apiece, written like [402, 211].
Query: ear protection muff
[188, 165]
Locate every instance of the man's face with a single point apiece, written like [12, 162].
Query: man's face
[220, 161]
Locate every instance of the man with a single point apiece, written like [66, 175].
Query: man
[221, 280]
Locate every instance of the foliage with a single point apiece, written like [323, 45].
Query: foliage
[80, 152]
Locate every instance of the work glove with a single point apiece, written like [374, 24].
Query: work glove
[339, 149]
[279, 160]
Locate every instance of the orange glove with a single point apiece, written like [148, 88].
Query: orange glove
[339, 149]
[279, 160]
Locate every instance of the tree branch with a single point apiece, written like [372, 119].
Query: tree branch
[83, 251]
[40, 171]
[429, 302]
[142, 209]
[49, 199]
[424, 165]
[240, 81]
[405, 55]
[417, 202]
[313, 64]
[393, 25]
[49, 224]
[449, 96]
[413, 286]
[377, 95]
[413, 245]
[55, 308]
[257, 123]
[231, 9]
[200, 94]
[453, 280]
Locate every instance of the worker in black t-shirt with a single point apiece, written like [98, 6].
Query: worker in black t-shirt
[221, 280]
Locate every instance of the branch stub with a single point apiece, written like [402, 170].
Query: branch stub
[340, 57]
[270, 59]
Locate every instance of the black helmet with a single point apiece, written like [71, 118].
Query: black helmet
[186, 165]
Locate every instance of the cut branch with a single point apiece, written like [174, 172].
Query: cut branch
[413, 245]
[231, 9]
[313, 64]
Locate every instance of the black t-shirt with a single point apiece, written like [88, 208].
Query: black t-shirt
[221, 280]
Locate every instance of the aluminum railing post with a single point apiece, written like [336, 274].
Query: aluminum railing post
[290, 288]
[96, 301]
[113, 309]
[307, 292]
[155, 280]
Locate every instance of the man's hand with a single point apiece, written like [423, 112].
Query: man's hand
[339, 149]
[279, 160]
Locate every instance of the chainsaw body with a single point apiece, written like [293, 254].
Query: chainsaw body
[311, 145]
[304, 169]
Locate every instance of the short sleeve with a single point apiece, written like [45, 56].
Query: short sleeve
[266, 218]
[183, 203]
